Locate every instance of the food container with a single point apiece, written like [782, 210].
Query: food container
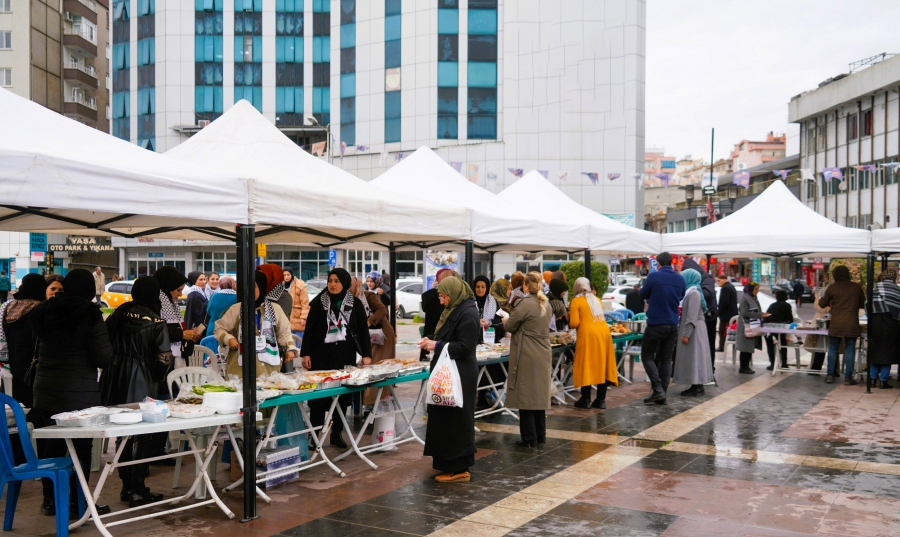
[126, 418]
[195, 412]
[636, 327]
[328, 385]
[89, 417]
[357, 382]
[296, 392]
[224, 402]
[153, 417]
[410, 370]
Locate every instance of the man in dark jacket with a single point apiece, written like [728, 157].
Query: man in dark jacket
[633, 300]
[663, 291]
[798, 292]
[845, 298]
[708, 285]
[728, 308]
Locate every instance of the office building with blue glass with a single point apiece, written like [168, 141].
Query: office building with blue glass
[491, 85]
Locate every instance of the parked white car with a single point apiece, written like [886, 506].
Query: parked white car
[616, 293]
[409, 297]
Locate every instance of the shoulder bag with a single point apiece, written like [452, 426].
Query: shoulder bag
[31, 372]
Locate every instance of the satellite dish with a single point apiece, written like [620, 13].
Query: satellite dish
[843, 186]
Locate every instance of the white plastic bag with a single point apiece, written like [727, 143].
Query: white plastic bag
[444, 386]
[383, 426]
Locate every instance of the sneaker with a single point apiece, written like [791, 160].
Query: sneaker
[850, 382]
[829, 379]
[450, 477]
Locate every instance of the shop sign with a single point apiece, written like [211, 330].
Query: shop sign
[37, 256]
[146, 239]
[38, 242]
[818, 266]
[155, 254]
[81, 244]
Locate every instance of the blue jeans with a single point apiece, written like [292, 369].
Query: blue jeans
[849, 355]
[884, 371]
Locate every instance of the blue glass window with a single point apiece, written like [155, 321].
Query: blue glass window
[392, 28]
[289, 5]
[448, 21]
[482, 21]
[348, 35]
[208, 99]
[348, 107]
[121, 105]
[122, 56]
[392, 7]
[122, 128]
[289, 49]
[146, 101]
[348, 85]
[482, 127]
[146, 51]
[482, 101]
[392, 105]
[392, 54]
[288, 99]
[481, 75]
[322, 6]
[448, 74]
[250, 93]
[448, 127]
[448, 101]
[448, 48]
[482, 48]
[289, 24]
[321, 100]
[321, 49]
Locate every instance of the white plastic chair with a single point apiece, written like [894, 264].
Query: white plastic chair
[298, 341]
[198, 359]
[733, 344]
[187, 376]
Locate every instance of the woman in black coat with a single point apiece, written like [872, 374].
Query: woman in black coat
[195, 306]
[336, 324]
[450, 432]
[141, 358]
[778, 312]
[73, 344]
[16, 330]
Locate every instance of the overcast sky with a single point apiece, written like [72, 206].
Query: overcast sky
[734, 65]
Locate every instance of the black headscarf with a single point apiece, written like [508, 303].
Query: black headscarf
[558, 288]
[169, 278]
[343, 277]
[34, 287]
[487, 286]
[192, 278]
[261, 282]
[145, 292]
[78, 283]
[841, 273]
[291, 272]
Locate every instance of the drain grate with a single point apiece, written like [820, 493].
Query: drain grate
[637, 442]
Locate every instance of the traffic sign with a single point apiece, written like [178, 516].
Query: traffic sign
[332, 258]
[261, 250]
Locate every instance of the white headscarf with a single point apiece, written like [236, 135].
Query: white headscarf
[583, 288]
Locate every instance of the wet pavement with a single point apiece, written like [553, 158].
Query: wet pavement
[756, 456]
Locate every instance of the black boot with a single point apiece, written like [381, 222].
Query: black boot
[599, 404]
[48, 507]
[657, 395]
[143, 497]
[582, 403]
[337, 440]
[693, 390]
[885, 385]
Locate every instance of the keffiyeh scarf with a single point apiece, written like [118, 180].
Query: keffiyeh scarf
[169, 311]
[266, 328]
[337, 327]
[208, 291]
[11, 312]
[886, 299]
[275, 293]
[490, 309]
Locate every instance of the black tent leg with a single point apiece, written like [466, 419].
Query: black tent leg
[587, 263]
[246, 248]
[392, 267]
[470, 263]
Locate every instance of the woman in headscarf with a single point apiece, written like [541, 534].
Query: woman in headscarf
[271, 323]
[195, 307]
[336, 330]
[749, 310]
[488, 308]
[884, 330]
[219, 302]
[500, 292]
[595, 355]
[450, 431]
[141, 357]
[73, 344]
[181, 339]
[377, 318]
[212, 285]
[277, 291]
[16, 335]
[530, 361]
[693, 364]
[557, 298]
[375, 283]
[432, 307]
[54, 285]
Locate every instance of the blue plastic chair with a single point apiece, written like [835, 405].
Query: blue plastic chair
[617, 315]
[58, 470]
[210, 343]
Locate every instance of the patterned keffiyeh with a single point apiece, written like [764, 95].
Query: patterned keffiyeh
[490, 309]
[11, 312]
[271, 355]
[337, 327]
[886, 299]
[275, 293]
[208, 292]
[169, 311]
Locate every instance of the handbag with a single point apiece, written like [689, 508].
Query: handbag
[355, 337]
[753, 328]
[31, 372]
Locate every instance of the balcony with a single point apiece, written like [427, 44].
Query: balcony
[79, 41]
[81, 108]
[83, 76]
[85, 8]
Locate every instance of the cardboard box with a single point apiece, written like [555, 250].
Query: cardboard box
[273, 459]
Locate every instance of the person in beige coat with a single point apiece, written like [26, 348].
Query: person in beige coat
[99, 283]
[270, 321]
[300, 301]
[530, 360]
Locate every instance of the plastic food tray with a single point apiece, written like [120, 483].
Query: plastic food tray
[89, 421]
[358, 382]
[128, 418]
[410, 371]
[328, 385]
[154, 417]
[199, 413]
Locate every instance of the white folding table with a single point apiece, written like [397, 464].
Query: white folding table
[202, 457]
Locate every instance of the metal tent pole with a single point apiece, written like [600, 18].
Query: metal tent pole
[492, 274]
[392, 267]
[246, 246]
[587, 263]
[470, 263]
[870, 287]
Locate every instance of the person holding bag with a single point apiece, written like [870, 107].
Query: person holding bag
[450, 432]
[530, 361]
[749, 316]
[141, 356]
[336, 330]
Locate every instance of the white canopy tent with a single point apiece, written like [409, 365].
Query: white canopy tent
[497, 225]
[58, 175]
[305, 199]
[537, 195]
[775, 224]
[886, 240]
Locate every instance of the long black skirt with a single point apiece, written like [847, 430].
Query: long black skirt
[455, 466]
[884, 339]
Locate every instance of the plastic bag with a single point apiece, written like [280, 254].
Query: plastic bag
[444, 385]
[753, 328]
[290, 418]
[376, 335]
[383, 426]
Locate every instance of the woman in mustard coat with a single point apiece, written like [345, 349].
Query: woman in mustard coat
[595, 355]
